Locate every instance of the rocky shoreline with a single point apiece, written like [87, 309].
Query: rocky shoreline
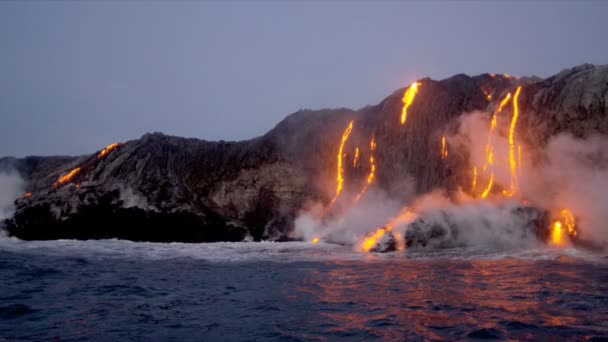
[163, 188]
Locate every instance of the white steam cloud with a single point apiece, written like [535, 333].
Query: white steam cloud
[11, 187]
[566, 173]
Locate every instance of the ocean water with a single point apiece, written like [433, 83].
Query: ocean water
[119, 290]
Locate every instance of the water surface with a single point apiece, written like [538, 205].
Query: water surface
[118, 290]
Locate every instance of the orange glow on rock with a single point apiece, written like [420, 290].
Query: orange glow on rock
[340, 176]
[108, 149]
[372, 170]
[408, 98]
[67, 177]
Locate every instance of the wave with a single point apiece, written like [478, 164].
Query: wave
[277, 251]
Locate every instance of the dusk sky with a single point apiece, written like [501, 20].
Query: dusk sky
[76, 76]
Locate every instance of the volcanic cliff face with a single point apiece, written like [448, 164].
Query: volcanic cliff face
[163, 188]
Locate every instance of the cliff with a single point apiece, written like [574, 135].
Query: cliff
[164, 188]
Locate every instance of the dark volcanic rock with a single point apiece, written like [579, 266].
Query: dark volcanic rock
[163, 188]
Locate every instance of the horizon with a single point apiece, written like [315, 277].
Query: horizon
[78, 77]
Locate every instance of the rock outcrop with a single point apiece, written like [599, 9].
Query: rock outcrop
[164, 188]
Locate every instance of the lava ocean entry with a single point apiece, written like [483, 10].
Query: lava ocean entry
[485, 160]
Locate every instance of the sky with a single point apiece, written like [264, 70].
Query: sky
[76, 76]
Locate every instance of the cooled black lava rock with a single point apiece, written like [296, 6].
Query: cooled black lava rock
[177, 189]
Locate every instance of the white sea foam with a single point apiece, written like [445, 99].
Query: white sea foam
[272, 251]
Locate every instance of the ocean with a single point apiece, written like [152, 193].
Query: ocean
[115, 290]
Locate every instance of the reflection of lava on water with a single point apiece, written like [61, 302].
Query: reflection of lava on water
[445, 299]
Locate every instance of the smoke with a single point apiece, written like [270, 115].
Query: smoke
[130, 199]
[348, 225]
[566, 173]
[442, 222]
[11, 187]
[573, 174]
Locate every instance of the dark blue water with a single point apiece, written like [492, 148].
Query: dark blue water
[83, 295]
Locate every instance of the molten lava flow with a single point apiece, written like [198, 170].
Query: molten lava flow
[490, 147]
[67, 177]
[27, 195]
[408, 98]
[370, 241]
[504, 102]
[556, 233]
[400, 241]
[356, 157]
[372, 170]
[512, 162]
[108, 149]
[489, 187]
[444, 149]
[340, 177]
[474, 185]
[568, 221]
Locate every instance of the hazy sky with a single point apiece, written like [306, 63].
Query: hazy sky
[76, 76]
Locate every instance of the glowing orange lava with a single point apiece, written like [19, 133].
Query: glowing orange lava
[556, 233]
[568, 221]
[340, 177]
[490, 147]
[372, 170]
[356, 159]
[408, 98]
[564, 225]
[370, 241]
[67, 177]
[27, 195]
[474, 183]
[512, 162]
[108, 149]
[405, 215]
[444, 149]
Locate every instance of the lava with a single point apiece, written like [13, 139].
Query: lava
[372, 170]
[474, 183]
[490, 147]
[512, 162]
[340, 177]
[563, 225]
[568, 221]
[27, 195]
[315, 239]
[370, 241]
[444, 149]
[408, 98]
[67, 177]
[556, 233]
[356, 159]
[108, 149]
